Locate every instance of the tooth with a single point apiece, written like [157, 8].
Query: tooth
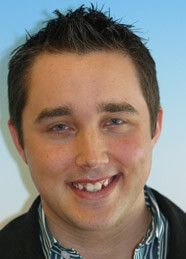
[75, 185]
[97, 186]
[106, 182]
[89, 187]
[80, 186]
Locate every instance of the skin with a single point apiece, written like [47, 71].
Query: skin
[87, 144]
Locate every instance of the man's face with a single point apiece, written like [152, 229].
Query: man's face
[87, 138]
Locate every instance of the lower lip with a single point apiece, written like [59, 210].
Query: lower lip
[99, 194]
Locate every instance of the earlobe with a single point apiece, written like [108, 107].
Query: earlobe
[158, 126]
[16, 140]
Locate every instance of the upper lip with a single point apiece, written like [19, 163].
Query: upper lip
[84, 181]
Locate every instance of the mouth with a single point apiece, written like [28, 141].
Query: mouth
[96, 187]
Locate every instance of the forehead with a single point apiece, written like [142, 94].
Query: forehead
[97, 76]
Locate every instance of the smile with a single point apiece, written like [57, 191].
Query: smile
[93, 186]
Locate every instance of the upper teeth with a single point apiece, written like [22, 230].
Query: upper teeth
[93, 187]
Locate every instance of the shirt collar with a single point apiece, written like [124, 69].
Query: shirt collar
[47, 240]
[157, 217]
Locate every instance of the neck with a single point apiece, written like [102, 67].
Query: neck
[105, 243]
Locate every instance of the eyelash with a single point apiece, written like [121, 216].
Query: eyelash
[119, 122]
[59, 128]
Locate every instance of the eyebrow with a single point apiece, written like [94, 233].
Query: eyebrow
[55, 112]
[117, 107]
[68, 111]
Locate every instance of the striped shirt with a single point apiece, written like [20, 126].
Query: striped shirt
[153, 246]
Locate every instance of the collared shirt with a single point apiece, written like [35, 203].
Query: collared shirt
[153, 246]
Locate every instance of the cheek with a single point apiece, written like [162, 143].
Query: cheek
[133, 153]
[48, 163]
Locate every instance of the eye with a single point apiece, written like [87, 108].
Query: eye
[114, 122]
[61, 128]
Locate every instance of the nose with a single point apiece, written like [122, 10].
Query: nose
[91, 151]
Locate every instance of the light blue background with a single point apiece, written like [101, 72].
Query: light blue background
[164, 24]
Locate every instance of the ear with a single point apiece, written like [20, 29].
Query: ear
[16, 139]
[158, 126]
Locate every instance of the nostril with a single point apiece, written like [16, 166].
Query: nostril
[87, 161]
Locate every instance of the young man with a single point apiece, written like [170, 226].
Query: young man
[85, 115]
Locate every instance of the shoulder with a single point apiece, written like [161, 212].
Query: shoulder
[21, 235]
[177, 225]
[14, 227]
[22, 223]
[169, 208]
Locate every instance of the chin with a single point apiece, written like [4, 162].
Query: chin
[97, 222]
